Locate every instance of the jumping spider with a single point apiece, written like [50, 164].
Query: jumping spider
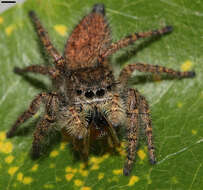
[87, 102]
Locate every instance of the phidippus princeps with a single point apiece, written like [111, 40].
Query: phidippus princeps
[87, 102]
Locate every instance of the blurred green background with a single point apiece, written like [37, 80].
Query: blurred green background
[176, 105]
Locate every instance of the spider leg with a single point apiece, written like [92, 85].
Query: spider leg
[33, 108]
[52, 72]
[43, 35]
[133, 38]
[145, 117]
[137, 106]
[128, 70]
[44, 124]
[132, 130]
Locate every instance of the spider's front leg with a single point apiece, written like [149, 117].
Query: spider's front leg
[33, 108]
[132, 130]
[45, 123]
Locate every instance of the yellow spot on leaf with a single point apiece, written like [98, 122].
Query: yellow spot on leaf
[9, 30]
[186, 66]
[1, 20]
[69, 176]
[63, 145]
[180, 105]
[118, 172]
[194, 132]
[34, 168]
[2, 136]
[54, 153]
[95, 160]
[13, 170]
[105, 156]
[78, 182]
[121, 151]
[100, 176]
[133, 180]
[6, 147]
[86, 188]
[94, 167]
[20, 176]
[61, 29]
[48, 186]
[9, 159]
[82, 166]
[83, 172]
[70, 170]
[141, 154]
[123, 144]
[27, 180]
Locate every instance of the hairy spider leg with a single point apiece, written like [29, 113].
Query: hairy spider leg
[147, 124]
[44, 124]
[33, 108]
[52, 72]
[128, 70]
[132, 130]
[43, 35]
[133, 38]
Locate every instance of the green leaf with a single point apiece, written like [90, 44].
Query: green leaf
[176, 105]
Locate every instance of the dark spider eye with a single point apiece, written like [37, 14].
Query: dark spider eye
[108, 88]
[100, 92]
[79, 92]
[89, 94]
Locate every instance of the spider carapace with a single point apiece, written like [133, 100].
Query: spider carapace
[87, 103]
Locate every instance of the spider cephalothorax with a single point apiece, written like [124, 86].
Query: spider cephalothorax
[87, 102]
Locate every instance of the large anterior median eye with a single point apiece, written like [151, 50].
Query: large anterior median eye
[79, 92]
[100, 92]
[89, 94]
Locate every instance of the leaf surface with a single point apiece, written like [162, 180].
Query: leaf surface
[176, 105]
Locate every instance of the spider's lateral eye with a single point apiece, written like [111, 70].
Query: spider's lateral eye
[89, 94]
[79, 92]
[108, 88]
[100, 92]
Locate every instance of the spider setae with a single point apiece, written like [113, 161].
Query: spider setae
[87, 102]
